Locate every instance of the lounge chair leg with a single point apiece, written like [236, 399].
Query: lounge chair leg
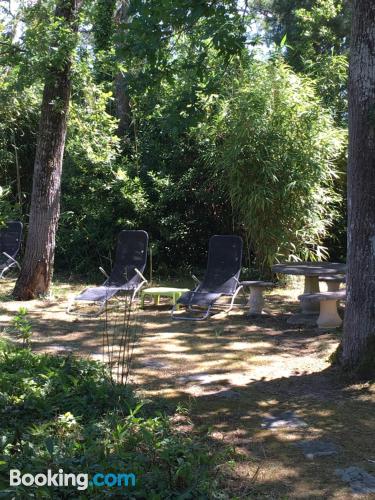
[9, 267]
[71, 309]
[190, 318]
[240, 288]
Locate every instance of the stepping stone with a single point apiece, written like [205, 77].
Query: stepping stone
[286, 419]
[316, 448]
[358, 479]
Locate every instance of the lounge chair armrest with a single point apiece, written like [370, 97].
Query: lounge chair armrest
[195, 278]
[140, 274]
[12, 259]
[103, 271]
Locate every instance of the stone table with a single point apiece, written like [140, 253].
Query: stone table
[311, 271]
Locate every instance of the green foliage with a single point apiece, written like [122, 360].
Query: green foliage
[21, 326]
[100, 200]
[317, 42]
[183, 64]
[149, 32]
[18, 123]
[62, 412]
[8, 210]
[185, 206]
[103, 24]
[49, 41]
[313, 27]
[275, 150]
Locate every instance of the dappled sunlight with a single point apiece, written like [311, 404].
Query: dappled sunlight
[234, 374]
[232, 352]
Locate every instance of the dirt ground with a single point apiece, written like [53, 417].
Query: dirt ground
[232, 372]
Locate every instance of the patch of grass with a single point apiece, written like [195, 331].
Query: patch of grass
[65, 413]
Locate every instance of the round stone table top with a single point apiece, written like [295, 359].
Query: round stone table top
[310, 268]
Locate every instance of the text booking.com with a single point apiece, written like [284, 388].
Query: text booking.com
[81, 481]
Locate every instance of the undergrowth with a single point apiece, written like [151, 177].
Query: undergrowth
[65, 413]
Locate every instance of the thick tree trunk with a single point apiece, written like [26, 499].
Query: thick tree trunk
[37, 268]
[358, 345]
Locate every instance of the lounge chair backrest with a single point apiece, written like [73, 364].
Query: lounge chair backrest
[10, 238]
[131, 253]
[224, 265]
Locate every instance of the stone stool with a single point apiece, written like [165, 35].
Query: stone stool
[256, 299]
[328, 316]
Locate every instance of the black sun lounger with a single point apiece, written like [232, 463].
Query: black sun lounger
[126, 275]
[221, 279]
[10, 241]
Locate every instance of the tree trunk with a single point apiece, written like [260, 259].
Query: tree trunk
[37, 269]
[122, 103]
[357, 351]
[121, 88]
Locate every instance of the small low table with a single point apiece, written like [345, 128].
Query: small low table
[256, 299]
[162, 291]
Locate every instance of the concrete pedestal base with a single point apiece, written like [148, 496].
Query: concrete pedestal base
[329, 317]
[311, 286]
[256, 301]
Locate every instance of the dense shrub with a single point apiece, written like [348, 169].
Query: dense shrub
[276, 148]
[62, 412]
[215, 140]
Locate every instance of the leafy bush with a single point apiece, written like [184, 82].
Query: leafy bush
[8, 210]
[62, 412]
[275, 149]
[21, 326]
[202, 109]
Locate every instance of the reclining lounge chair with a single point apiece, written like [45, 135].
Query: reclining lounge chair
[220, 280]
[10, 241]
[126, 275]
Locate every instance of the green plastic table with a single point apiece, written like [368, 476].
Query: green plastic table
[162, 291]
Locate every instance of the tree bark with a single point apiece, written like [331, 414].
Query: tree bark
[357, 352]
[121, 88]
[122, 102]
[37, 268]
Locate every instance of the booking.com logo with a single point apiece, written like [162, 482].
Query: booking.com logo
[61, 479]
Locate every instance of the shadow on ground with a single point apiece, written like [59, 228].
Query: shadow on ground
[233, 373]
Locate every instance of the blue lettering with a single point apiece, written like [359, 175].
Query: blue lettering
[95, 479]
